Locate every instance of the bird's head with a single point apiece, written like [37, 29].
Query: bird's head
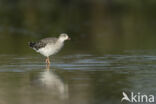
[64, 37]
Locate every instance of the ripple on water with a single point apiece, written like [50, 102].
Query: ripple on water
[79, 62]
[87, 75]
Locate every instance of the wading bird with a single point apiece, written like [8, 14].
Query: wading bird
[49, 46]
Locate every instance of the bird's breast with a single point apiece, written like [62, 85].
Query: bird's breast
[50, 49]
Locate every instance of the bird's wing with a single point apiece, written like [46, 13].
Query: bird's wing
[39, 45]
[43, 43]
[49, 40]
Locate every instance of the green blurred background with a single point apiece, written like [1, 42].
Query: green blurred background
[95, 26]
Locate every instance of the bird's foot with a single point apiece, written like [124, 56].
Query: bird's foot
[47, 61]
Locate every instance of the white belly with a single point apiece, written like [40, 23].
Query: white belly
[49, 50]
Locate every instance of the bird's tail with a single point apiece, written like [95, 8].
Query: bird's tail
[31, 44]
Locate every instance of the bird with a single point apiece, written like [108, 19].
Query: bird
[49, 46]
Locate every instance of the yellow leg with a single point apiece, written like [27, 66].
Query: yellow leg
[48, 63]
[48, 60]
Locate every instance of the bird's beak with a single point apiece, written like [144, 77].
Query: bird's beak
[69, 39]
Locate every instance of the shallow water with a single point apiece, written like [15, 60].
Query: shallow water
[76, 78]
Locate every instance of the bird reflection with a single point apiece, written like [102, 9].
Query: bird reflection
[48, 67]
[52, 82]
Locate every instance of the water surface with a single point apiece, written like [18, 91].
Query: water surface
[76, 78]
